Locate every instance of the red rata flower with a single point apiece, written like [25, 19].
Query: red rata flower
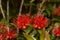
[2, 36]
[23, 21]
[58, 9]
[11, 34]
[8, 34]
[56, 31]
[56, 12]
[40, 21]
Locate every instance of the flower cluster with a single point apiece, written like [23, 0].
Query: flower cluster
[2, 36]
[23, 21]
[56, 12]
[40, 21]
[7, 34]
[56, 31]
[11, 34]
[58, 9]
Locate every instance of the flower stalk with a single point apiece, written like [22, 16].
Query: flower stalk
[2, 11]
[7, 16]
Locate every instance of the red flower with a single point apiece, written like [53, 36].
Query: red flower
[2, 36]
[23, 21]
[56, 12]
[56, 31]
[3, 27]
[40, 21]
[11, 34]
[8, 34]
[58, 9]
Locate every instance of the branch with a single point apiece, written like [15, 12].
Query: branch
[2, 9]
[42, 10]
[8, 11]
[30, 9]
[21, 7]
[39, 6]
[8, 15]
[42, 3]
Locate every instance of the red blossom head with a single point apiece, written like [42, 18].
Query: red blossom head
[58, 9]
[40, 21]
[23, 21]
[7, 34]
[56, 12]
[11, 34]
[3, 34]
[56, 31]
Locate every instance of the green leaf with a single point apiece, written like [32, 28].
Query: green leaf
[3, 21]
[28, 37]
[48, 12]
[28, 30]
[44, 35]
[54, 0]
[51, 7]
[47, 36]
[41, 34]
[34, 32]
[21, 37]
[53, 37]
[55, 19]
[31, 1]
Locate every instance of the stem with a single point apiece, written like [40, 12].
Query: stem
[30, 9]
[42, 10]
[46, 35]
[54, 5]
[17, 33]
[8, 11]
[42, 3]
[2, 9]
[20, 10]
[8, 14]
[40, 7]
[44, 32]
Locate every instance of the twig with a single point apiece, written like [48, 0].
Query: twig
[7, 15]
[30, 9]
[2, 9]
[42, 3]
[17, 33]
[40, 7]
[42, 10]
[54, 5]
[8, 11]
[22, 1]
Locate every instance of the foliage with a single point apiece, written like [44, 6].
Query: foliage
[30, 19]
